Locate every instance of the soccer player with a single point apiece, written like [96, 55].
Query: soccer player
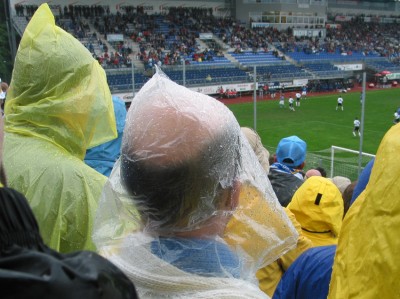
[272, 92]
[298, 96]
[339, 103]
[291, 104]
[261, 92]
[356, 129]
[304, 92]
[266, 88]
[282, 101]
[396, 117]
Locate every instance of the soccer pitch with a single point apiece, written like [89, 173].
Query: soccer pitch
[318, 122]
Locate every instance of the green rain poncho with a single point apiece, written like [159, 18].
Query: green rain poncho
[58, 105]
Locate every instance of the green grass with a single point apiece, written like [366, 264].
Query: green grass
[319, 124]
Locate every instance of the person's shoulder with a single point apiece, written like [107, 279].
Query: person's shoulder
[92, 274]
[320, 251]
[275, 173]
[53, 166]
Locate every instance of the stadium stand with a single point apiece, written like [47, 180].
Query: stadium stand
[229, 52]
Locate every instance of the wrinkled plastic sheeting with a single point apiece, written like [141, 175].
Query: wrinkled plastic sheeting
[174, 123]
[58, 91]
[367, 261]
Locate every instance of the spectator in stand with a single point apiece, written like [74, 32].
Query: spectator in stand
[255, 142]
[363, 180]
[347, 195]
[318, 207]
[308, 276]
[103, 156]
[322, 171]
[3, 94]
[30, 269]
[312, 172]
[341, 182]
[187, 199]
[59, 104]
[270, 275]
[367, 253]
[286, 173]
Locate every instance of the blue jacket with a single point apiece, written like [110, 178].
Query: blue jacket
[309, 276]
[363, 180]
[103, 157]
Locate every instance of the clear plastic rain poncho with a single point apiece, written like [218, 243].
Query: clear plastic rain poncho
[188, 211]
[58, 105]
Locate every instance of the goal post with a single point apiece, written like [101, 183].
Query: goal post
[347, 162]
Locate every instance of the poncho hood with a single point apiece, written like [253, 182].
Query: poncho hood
[318, 206]
[58, 91]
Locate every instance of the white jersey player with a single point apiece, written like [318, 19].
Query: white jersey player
[298, 97]
[339, 103]
[291, 104]
[356, 129]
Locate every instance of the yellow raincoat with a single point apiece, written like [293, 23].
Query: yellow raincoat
[318, 206]
[367, 261]
[269, 276]
[58, 105]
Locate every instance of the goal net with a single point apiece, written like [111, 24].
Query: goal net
[339, 161]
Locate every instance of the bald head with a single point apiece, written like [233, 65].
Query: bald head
[180, 150]
[312, 172]
[165, 134]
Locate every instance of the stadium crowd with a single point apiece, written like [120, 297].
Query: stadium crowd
[169, 38]
[194, 206]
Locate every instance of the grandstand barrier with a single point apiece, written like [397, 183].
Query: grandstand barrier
[207, 89]
[231, 77]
